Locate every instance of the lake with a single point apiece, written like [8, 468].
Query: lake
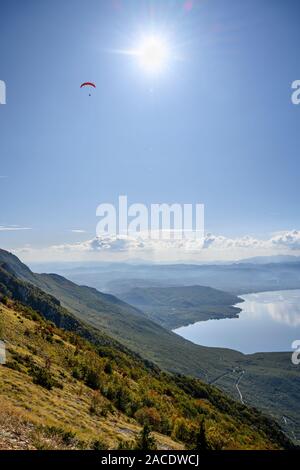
[269, 321]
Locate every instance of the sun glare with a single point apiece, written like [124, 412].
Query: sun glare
[153, 54]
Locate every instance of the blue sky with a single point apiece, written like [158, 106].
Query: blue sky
[217, 126]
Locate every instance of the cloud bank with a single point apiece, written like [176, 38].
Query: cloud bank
[211, 248]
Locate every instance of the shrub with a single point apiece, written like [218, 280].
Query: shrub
[217, 441]
[166, 426]
[122, 399]
[108, 368]
[67, 437]
[5, 300]
[149, 416]
[125, 445]
[181, 430]
[13, 365]
[77, 373]
[92, 380]
[96, 404]
[43, 377]
[99, 445]
[34, 316]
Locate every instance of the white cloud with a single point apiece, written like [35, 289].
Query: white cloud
[285, 240]
[220, 242]
[77, 230]
[12, 228]
[290, 240]
[97, 244]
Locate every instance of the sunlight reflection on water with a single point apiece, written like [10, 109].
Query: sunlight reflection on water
[269, 321]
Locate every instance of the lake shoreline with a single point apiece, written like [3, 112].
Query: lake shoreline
[235, 306]
[269, 321]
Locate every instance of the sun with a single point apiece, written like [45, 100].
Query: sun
[153, 54]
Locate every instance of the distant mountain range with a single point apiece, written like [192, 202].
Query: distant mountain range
[95, 266]
[246, 276]
[271, 259]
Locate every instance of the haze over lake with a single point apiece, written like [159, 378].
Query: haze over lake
[269, 321]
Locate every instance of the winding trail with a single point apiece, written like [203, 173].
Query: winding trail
[237, 386]
[289, 423]
[237, 382]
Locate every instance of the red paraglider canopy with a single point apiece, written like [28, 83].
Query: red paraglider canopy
[88, 84]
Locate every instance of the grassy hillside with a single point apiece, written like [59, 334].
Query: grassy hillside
[172, 307]
[59, 391]
[270, 381]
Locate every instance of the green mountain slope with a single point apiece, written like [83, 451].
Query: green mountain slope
[172, 307]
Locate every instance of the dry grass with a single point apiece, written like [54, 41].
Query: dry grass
[34, 417]
[28, 411]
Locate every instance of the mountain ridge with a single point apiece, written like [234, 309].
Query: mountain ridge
[173, 307]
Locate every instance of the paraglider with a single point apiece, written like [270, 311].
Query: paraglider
[88, 84]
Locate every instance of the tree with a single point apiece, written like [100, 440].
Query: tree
[122, 399]
[145, 441]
